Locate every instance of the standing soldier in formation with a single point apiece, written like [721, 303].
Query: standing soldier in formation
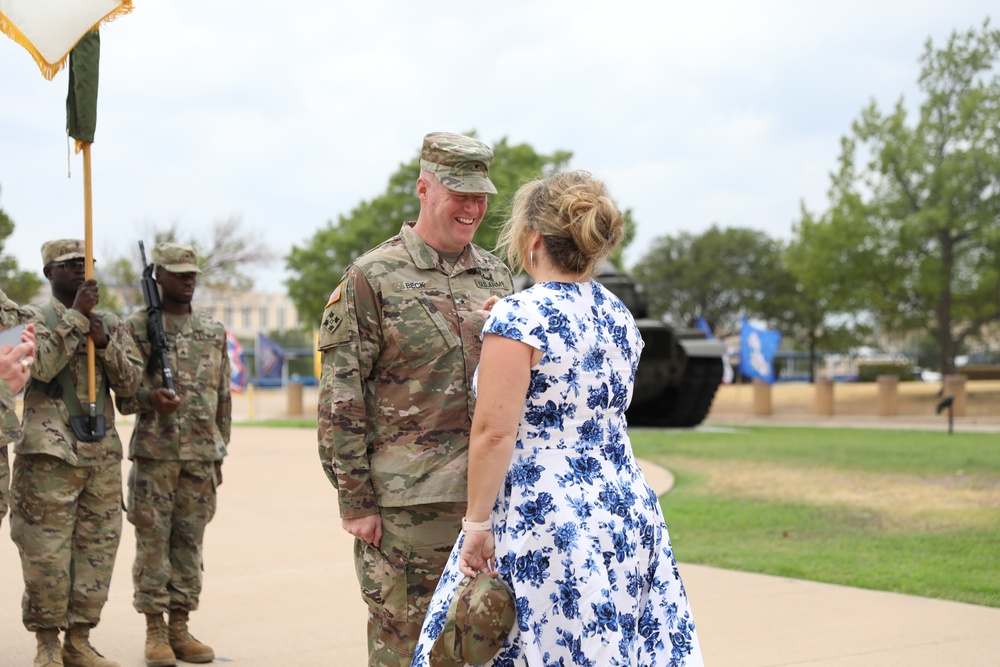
[15, 365]
[66, 487]
[400, 340]
[176, 451]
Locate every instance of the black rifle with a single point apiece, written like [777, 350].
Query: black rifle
[156, 331]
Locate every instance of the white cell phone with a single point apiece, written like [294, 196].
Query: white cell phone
[12, 336]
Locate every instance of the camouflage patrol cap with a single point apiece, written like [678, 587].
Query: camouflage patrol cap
[62, 250]
[481, 615]
[176, 258]
[461, 163]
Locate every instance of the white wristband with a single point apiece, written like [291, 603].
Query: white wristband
[474, 526]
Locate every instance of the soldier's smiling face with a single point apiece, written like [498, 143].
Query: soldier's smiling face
[448, 219]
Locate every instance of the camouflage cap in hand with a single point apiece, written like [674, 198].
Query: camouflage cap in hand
[461, 163]
[481, 615]
[176, 258]
[62, 250]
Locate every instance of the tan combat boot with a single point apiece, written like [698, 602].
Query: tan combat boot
[49, 648]
[186, 647]
[77, 651]
[158, 651]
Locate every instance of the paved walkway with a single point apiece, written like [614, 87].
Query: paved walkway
[280, 590]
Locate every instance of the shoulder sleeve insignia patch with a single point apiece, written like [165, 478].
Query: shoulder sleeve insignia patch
[332, 321]
[334, 296]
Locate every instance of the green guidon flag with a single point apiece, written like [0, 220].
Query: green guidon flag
[81, 101]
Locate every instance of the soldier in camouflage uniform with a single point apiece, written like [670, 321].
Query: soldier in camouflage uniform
[66, 490]
[176, 451]
[15, 364]
[400, 340]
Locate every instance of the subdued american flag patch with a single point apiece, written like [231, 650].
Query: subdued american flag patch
[334, 296]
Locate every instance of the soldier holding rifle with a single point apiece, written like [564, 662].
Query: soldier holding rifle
[183, 409]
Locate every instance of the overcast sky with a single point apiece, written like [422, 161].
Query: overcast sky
[289, 114]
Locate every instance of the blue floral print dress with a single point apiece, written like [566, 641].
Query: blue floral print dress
[579, 534]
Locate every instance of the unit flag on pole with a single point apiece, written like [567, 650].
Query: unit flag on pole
[757, 350]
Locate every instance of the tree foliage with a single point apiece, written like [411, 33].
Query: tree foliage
[318, 264]
[20, 286]
[716, 274]
[224, 258]
[816, 309]
[914, 222]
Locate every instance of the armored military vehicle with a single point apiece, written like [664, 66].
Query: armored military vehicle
[680, 369]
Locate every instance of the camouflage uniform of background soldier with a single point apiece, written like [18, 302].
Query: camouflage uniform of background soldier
[176, 451]
[10, 425]
[400, 341]
[66, 492]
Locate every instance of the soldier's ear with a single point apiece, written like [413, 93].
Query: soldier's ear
[422, 187]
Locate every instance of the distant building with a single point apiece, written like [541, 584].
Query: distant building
[247, 313]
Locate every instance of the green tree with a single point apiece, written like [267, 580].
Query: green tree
[21, 286]
[815, 308]
[318, 264]
[716, 274]
[916, 205]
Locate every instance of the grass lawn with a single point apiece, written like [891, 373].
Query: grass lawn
[906, 511]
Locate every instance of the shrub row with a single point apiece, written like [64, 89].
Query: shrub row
[869, 372]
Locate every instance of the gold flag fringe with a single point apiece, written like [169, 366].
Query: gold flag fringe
[48, 69]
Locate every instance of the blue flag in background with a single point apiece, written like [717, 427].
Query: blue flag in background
[270, 357]
[757, 349]
[703, 325]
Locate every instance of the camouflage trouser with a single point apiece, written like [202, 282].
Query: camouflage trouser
[398, 578]
[66, 522]
[169, 503]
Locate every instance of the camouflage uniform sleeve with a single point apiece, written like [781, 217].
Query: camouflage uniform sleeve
[121, 358]
[4, 479]
[55, 347]
[224, 409]
[9, 312]
[10, 429]
[138, 402]
[350, 342]
[10, 425]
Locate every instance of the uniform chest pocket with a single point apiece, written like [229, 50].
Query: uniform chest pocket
[421, 332]
[199, 358]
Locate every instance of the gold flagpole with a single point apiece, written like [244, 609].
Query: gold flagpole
[88, 240]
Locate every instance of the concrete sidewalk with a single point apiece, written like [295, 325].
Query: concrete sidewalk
[280, 590]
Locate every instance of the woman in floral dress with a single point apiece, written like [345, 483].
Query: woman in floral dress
[557, 504]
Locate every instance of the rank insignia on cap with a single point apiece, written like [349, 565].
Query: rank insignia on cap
[334, 296]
